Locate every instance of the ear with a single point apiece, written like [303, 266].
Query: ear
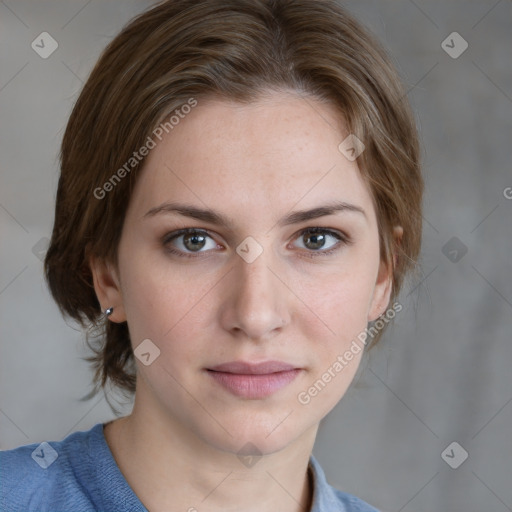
[107, 287]
[384, 283]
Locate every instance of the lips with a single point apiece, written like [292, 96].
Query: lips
[253, 380]
[246, 368]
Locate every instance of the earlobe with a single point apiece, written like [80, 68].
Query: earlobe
[107, 288]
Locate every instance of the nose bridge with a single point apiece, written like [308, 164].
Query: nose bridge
[256, 302]
[255, 282]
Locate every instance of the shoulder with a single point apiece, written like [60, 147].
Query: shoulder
[328, 499]
[48, 475]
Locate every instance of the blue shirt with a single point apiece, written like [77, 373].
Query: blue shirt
[80, 474]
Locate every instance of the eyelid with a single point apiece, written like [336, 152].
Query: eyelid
[169, 237]
[343, 239]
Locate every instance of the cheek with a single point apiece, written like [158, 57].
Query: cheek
[342, 299]
[164, 304]
[334, 349]
[344, 312]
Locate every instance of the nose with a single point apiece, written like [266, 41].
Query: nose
[256, 304]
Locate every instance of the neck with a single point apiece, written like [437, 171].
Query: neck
[170, 468]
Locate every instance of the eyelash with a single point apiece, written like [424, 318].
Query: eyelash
[341, 237]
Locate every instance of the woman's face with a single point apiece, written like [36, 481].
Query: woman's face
[248, 283]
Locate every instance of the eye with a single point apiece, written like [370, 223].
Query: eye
[316, 241]
[189, 241]
[321, 241]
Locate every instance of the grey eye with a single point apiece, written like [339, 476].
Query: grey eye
[315, 239]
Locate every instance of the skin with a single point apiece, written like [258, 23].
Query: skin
[254, 164]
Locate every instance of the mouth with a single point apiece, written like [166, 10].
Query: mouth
[253, 380]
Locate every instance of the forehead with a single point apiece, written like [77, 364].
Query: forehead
[252, 159]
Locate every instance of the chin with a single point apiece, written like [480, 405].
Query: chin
[248, 433]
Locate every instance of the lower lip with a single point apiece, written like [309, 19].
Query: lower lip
[254, 386]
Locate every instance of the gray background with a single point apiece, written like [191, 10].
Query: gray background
[440, 375]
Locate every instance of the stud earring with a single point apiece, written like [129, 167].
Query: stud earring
[109, 311]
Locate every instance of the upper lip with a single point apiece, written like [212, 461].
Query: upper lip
[243, 367]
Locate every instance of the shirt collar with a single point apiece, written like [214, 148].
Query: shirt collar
[324, 498]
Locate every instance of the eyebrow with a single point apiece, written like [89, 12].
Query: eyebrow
[213, 217]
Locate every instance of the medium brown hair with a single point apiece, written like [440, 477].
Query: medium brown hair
[236, 50]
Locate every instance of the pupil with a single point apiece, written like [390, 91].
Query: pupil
[194, 239]
[317, 240]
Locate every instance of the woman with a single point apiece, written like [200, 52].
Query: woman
[240, 197]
